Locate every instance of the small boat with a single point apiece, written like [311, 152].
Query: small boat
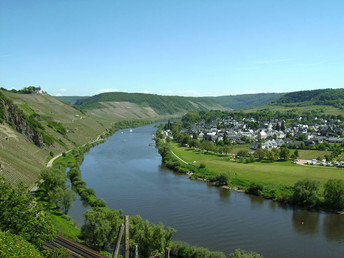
[131, 130]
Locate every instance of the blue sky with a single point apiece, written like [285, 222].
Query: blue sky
[172, 47]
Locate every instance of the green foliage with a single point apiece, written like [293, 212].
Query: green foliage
[26, 90]
[150, 238]
[242, 153]
[20, 214]
[16, 246]
[60, 252]
[101, 226]
[223, 178]
[307, 192]
[57, 126]
[54, 182]
[66, 200]
[330, 97]
[334, 194]
[284, 153]
[247, 100]
[184, 250]
[239, 253]
[255, 189]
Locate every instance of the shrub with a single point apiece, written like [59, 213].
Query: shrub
[306, 192]
[15, 246]
[239, 253]
[334, 194]
[60, 252]
[202, 165]
[255, 189]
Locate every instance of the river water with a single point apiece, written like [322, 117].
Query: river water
[127, 172]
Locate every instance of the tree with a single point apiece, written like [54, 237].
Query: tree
[334, 194]
[101, 226]
[149, 237]
[284, 153]
[271, 155]
[260, 153]
[242, 153]
[53, 183]
[282, 126]
[208, 146]
[67, 199]
[224, 178]
[306, 192]
[239, 253]
[296, 153]
[15, 246]
[226, 149]
[20, 214]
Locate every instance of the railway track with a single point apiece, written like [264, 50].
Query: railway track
[76, 249]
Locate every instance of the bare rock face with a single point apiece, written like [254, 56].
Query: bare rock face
[19, 121]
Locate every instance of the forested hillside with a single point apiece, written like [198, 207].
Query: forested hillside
[329, 97]
[247, 100]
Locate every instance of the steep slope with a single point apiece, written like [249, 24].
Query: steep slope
[59, 125]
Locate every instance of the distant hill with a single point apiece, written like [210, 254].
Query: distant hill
[327, 97]
[112, 106]
[70, 99]
[247, 100]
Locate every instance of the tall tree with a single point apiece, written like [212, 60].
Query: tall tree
[334, 194]
[307, 192]
[20, 214]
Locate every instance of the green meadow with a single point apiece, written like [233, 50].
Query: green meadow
[278, 172]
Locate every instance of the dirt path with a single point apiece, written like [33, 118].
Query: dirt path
[179, 158]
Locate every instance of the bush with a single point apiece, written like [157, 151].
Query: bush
[60, 252]
[202, 165]
[15, 246]
[183, 249]
[334, 194]
[306, 192]
[255, 189]
[224, 178]
[239, 253]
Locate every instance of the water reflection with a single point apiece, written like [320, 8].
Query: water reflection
[256, 202]
[334, 227]
[306, 222]
[224, 195]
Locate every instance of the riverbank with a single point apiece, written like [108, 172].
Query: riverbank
[271, 180]
[74, 159]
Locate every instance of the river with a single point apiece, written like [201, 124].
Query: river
[127, 172]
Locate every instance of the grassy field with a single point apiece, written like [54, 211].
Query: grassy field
[312, 154]
[279, 172]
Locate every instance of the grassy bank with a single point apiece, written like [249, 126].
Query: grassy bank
[310, 186]
[279, 172]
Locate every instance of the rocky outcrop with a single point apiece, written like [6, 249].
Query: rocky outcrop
[12, 115]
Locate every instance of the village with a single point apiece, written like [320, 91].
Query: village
[299, 133]
[269, 134]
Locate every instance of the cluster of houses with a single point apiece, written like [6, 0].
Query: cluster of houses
[269, 134]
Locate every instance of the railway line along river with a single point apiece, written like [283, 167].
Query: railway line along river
[127, 172]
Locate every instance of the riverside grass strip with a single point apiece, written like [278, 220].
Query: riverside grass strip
[278, 172]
